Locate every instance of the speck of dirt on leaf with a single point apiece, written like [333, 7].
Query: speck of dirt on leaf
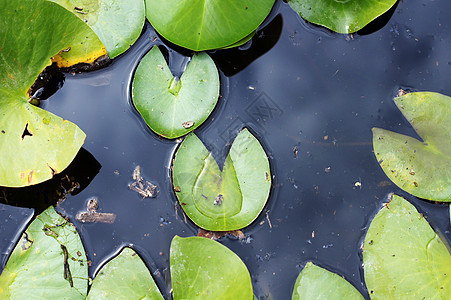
[188, 124]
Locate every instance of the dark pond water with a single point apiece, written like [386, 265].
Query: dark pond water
[296, 85]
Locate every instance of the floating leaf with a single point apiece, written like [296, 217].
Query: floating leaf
[403, 257]
[202, 25]
[34, 144]
[118, 23]
[317, 283]
[173, 107]
[222, 200]
[343, 16]
[124, 277]
[204, 269]
[48, 262]
[420, 168]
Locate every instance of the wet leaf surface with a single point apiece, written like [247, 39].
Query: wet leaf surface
[403, 257]
[227, 199]
[317, 283]
[420, 168]
[124, 277]
[173, 107]
[343, 16]
[202, 25]
[49, 261]
[118, 23]
[204, 269]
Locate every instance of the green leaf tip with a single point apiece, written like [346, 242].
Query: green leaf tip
[317, 283]
[197, 271]
[124, 277]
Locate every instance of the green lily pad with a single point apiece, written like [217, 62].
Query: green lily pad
[420, 168]
[202, 25]
[317, 283]
[204, 269]
[403, 257]
[343, 16]
[118, 23]
[124, 277]
[48, 262]
[222, 200]
[34, 144]
[173, 107]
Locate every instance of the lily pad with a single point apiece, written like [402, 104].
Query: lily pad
[173, 107]
[204, 269]
[342, 16]
[202, 25]
[118, 23]
[124, 277]
[48, 262]
[227, 199]
[420, 168]
[317, 283]
[34, 144]
[403, 257]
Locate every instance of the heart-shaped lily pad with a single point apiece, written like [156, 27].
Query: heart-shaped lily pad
[222, 200]
[49, 262]
[124, 277]
[35, 144]
[204, 269]
[343, 16]
[403, 257]
[317, 283]
[173, 107]
[118, 23]
[420, 168]
[202, 25]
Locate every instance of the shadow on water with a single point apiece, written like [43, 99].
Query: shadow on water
[310, 96]
[74, 179]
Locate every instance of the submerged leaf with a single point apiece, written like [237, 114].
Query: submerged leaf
[118, 23]
[173, 107]
[205, 269]
[35, 144]
[124, 277]
[222, 200]
[403, 257]
[317, 283]
[49, 262]
[343, 16]
[202, 25]
[420, 168]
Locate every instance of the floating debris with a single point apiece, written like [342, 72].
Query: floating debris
[218, 200]
[91, 215]
[215, 235]
[141, 186]
[188, 124]
[358, 184]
